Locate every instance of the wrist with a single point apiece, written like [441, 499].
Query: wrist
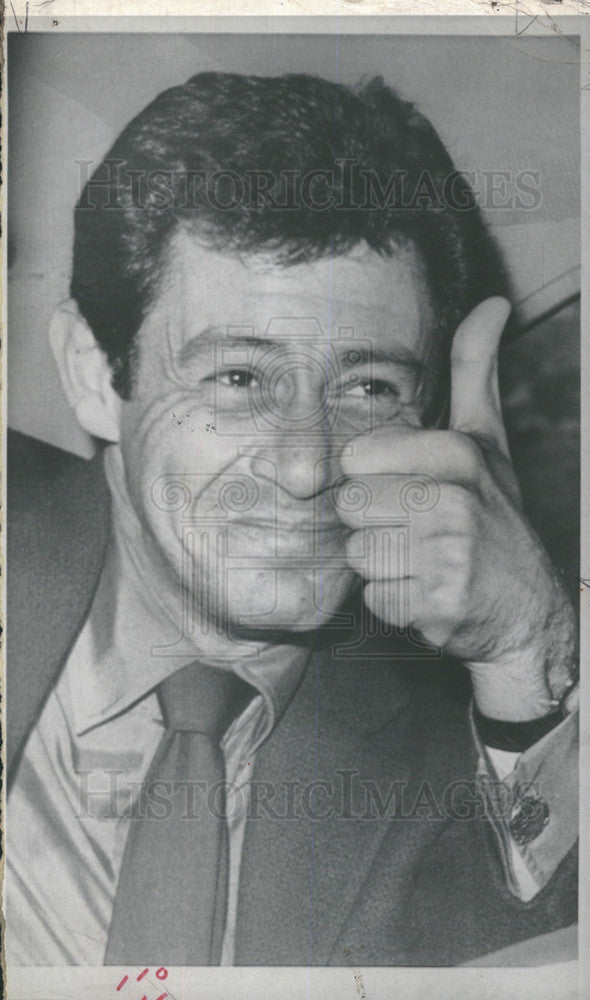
[530, 683]
[513, 690]
[510, 699]
[517, 737]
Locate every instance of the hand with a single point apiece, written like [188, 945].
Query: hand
[477, 582]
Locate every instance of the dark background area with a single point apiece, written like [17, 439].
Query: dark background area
[540, 381]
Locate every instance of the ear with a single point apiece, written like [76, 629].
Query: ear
[85, 373]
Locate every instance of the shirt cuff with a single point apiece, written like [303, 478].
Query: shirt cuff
[531, 801]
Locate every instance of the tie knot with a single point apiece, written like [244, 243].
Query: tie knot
[203, 699]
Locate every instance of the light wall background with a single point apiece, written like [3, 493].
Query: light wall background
[507, 104]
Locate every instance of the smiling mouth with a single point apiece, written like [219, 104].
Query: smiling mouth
[303, 528]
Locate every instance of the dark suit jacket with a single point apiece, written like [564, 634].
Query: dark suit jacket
[369, 883]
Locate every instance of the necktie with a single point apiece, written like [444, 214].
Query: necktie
[172, 892]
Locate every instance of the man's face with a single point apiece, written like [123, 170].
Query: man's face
[251, 379]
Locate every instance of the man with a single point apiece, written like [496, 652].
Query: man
[283, 330]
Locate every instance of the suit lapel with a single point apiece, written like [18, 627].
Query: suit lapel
[58, 517]
[310, 839]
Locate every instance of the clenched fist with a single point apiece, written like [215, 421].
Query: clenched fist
[476, 579]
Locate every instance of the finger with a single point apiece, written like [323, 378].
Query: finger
[379, 553]
[373, 452]
[401, 603]
[441, 455]
[475, 397]
[392, 601]
[391, 554]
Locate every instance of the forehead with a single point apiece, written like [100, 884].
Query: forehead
[382, 299]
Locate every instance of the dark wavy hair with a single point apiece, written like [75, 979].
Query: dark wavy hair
[294, 166]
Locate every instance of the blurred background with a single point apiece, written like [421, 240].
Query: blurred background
[500, 104]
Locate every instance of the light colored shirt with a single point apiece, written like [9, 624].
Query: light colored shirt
[76, 785]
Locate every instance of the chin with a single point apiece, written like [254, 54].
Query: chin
[283, 602]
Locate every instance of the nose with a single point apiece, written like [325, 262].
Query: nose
[303, 470]
[296, 452]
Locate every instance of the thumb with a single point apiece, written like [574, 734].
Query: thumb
[475, 396]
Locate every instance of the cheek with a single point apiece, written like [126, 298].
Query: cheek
[171, 455]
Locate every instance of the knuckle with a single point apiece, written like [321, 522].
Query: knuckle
[352, 497]
[387, 602]
[462, 509]
[356, 550]
[468, 455]
[459, 554]
[448, 602]
[354, 452]
[349, 461]
[375, 598]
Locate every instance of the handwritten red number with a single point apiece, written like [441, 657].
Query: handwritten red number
[161, 973]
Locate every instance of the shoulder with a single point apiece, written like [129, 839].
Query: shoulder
[57, 517]
[42, 479]
[58, 514]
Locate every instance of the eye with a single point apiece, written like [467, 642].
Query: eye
[364, 387]
[237, 378]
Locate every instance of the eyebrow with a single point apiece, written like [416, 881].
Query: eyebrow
[398, 355]
[210, 336]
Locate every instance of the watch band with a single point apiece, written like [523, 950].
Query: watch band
[515, 736]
